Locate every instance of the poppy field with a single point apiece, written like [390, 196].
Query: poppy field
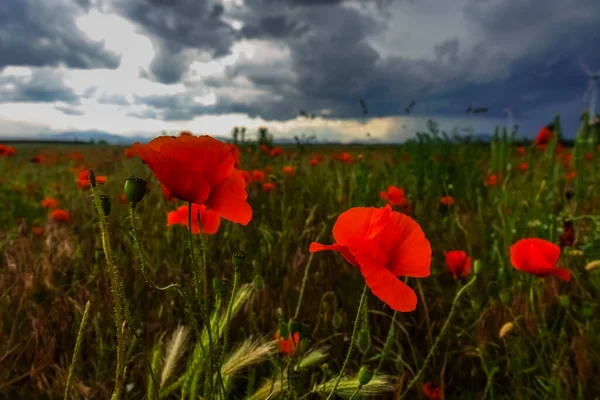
[190, 267]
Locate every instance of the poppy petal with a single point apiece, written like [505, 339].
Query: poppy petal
[561, 273]
[352, 226]
[210, 222]
[316, 247]
[388, 288]
[229, 199]
[410, 251]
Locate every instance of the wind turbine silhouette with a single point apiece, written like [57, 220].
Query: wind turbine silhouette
[590, 92]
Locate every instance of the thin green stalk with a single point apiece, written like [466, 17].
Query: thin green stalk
[388, 339]
[437, 340]
[77, 349]
[356, 392]
[363, 298]
[306, 270]
[236, 276]
[114, 286]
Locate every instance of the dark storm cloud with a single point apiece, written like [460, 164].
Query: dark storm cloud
[39, 33]
[119, 100]
[177, 25]
[43, 85]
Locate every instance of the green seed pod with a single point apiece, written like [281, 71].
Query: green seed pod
[364, 340]
[258, 281]
[238, 258]
[337, 320]
[294, 326]
[477, 267]
[135, 190]
[105, 202]
[365, 374]
[564, 300]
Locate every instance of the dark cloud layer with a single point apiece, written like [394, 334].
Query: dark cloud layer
[43, 85]
[525, 55]
[40, 32]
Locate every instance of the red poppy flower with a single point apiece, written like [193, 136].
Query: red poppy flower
[537, 257]
[570, 176]
[236, 154]
[567, 158]
[60, 216]
[129, 153]
[345, 158]
[447, 201]
[7, 151]
[246, 176]
[544, 137]
[83, 179]
[258, 176]
[264, 148]
[268, 187]
[523, 167]
[521, 151]
[588, 156]
[431, 391]
[36, 159]
[313, 161]
[288, 345]
[458, 262]
[275, 151]
[186, 133]
[383, 244]
[394, 196]
[268, 169]
[209, 220]
[289, 170]
[200, 170]
[37, 231]
[49, 203]
[492, 180]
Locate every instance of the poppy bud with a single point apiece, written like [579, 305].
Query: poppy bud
[105, 202]
[569, 194]
[337, 320]
[218, 286]
[504, 298]
[477, 267]
[293, 378]
[238, 258]
[564, 300]
[391, 339]
[135, 190]
[587, 312]
[364, 340]
[283, 330]
[258, 282]
[365, 374]
[294, 326]
[92, 177]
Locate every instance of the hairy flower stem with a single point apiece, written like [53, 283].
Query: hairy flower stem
[76, 351]
[359, 313]
[437, 340]
[306, 270]
[114, 287]
[202, 305]
[236, 276]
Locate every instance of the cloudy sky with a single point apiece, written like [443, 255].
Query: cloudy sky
[138, 67]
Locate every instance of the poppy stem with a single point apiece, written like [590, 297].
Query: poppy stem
[388, 340]
[356, 392]
[363, 299]
[437, 340]
[114, 286]
[76, 351]
[305, 278]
